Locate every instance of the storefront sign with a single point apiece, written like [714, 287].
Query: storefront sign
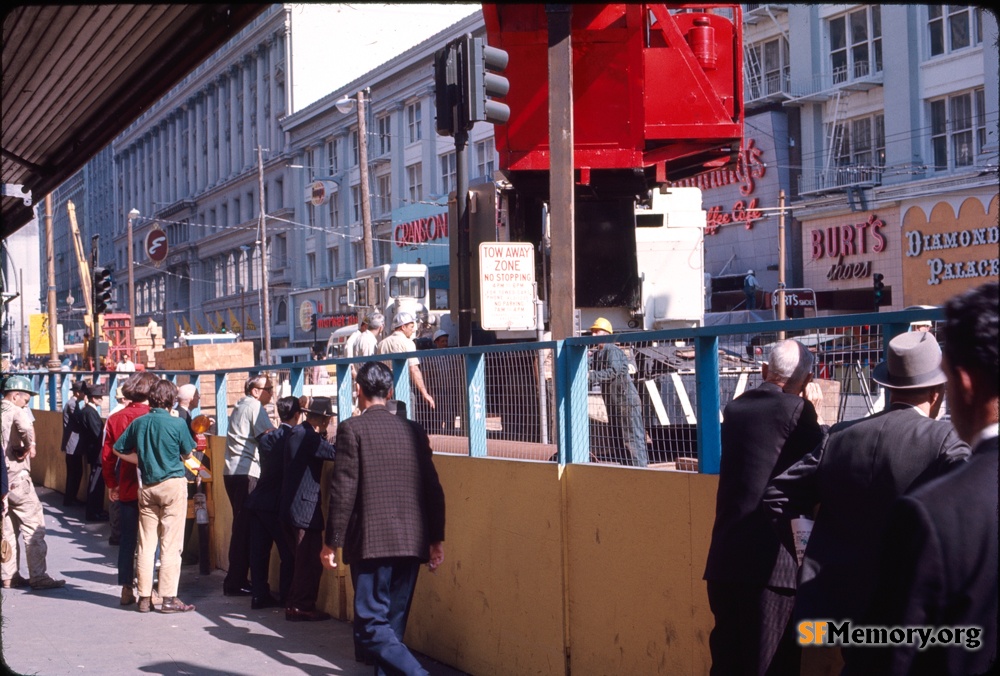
[421, 230]
[848, 240]
[336, 321]
[156, 245]
[939, 269]
[749, 167]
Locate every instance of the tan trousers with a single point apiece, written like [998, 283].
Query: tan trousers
[24, 515]
[162, 511]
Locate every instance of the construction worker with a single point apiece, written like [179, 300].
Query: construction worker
[610, 368]
[24, 514]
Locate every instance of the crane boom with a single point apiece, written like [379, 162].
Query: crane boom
[81, 262]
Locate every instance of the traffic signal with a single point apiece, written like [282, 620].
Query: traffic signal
[483, 82]
[879, 287]
[446, 90]
[102, 290]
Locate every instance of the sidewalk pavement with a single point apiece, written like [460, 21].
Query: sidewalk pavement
[82, 629]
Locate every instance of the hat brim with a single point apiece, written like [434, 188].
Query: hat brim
[881, 375]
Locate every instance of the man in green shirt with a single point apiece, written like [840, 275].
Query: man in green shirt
[159, 443]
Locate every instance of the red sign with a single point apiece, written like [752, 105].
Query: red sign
[421, 230]
[156, 245]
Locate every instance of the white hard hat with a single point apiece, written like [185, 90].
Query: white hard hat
[402, 319]
[438, 334]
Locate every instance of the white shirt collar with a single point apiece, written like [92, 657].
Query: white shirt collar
[988, 432]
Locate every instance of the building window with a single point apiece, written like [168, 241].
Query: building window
[331, 153]
[485, 158]
[358, 252]
[384, 134]
[856, 44]
[311, 268]
[355, 150]
[384, 194]
[415, 183]
[333, 262]
[311, 211]
[236, 211]
[356, 203]
[448, 173]
[958, 129]
[334, 211]
[413, 132]
[279, 188]
[953, 27]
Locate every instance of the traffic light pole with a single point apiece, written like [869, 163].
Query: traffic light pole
[464, 239]
[94, 325]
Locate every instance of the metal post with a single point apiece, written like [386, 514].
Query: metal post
[366, 207]
[50, 264]
[133, 214]
[24, 330]
[465, 302]
[561, 176]
[781, 259]
[264, 260]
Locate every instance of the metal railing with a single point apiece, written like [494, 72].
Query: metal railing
[540, 401]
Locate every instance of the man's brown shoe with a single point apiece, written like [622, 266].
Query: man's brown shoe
[15, 582]
[172, 604]
[144, 604]
[128, 598]
[46, 583]
[296, 615]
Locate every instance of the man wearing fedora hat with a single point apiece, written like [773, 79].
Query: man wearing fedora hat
[70, 441]
[856, 473]
[939, 562]
[91, 440]
[300, 507]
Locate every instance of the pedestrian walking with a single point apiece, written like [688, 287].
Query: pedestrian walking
[609, 368]
[387, 511]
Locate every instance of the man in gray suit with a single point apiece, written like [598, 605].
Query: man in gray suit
[939, 560]
[387, 512]
[856, 474]
[750, 571]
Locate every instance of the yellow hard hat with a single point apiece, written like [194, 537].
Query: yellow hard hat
[602, 324]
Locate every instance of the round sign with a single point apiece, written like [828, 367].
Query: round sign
[156, 245]
[306, 311]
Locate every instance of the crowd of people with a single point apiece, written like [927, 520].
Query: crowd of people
[901, 505]
[138, 458]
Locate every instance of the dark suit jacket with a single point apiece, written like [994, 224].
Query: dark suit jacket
[305, 451]
[854, 476]
[266, 495]
[91, 430]
[939, 568]
[764, 431]
[385, 497]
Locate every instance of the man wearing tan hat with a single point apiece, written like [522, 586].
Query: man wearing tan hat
[856, 474]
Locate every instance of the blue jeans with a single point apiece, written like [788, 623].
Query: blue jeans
[383, 591]
[129, 540]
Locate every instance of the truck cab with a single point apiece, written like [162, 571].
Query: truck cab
[388, 289]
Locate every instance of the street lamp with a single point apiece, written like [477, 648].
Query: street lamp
[132, 215]
[345, 105]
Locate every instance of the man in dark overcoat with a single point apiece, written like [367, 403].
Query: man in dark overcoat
[387, 513]
[854, 477]
[306, 449]
[939, 560]
[751, 572]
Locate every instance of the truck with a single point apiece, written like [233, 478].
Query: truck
[656, 98]
[389, 289]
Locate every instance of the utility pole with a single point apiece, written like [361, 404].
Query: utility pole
[265, 262]
[24, 327]
[132, 215]
[366, 206]
[50, 265]
[562, 208]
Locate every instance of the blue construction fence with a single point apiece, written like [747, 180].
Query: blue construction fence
[538, 401]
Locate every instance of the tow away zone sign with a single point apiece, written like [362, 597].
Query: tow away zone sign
[507, 286]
